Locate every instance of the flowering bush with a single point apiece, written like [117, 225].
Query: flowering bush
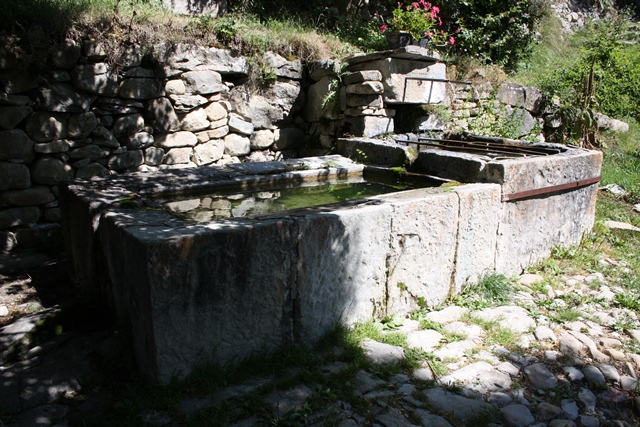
[420, 19]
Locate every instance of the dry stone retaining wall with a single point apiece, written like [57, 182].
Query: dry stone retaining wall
[92, 115]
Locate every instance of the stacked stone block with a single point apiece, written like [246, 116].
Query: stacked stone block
[362, 103]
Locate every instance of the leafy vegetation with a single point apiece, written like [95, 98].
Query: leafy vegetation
[593, 70]
[491, 289]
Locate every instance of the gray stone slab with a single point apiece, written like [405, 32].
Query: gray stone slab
[341, 268]
[407, 79]
[454, 404]
[413, 244]
[479, 216]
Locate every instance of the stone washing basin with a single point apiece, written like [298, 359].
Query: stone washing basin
[221, 291]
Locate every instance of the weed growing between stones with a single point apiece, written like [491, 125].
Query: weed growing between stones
[491, 289]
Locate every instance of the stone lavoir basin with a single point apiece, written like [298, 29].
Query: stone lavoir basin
[199, 291]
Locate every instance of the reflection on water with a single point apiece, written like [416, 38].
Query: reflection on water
[216, 206]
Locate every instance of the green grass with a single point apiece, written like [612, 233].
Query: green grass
[621, 164]
[492, 289]
[497, 334]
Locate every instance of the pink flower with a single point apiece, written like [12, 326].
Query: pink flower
[434, 12]
[452, 40]
[383, 28]
[458, 31]
[415, 5]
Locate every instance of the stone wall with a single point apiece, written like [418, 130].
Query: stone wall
[91, 115]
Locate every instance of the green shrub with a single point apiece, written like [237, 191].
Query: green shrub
[615, 67]
[494, 31]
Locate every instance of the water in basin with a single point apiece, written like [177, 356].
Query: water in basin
[229, 204]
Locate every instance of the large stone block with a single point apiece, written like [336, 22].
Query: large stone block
[139, 140]
[62, 98]
[209, 152]
[462, 167]
[191, 58]
[517, 175]
[16, 145]
[14, 176]
[95, 78]
[36, 195]
[186, 103]
[52, 147]
[215, 111]
[128, 125]
[161, 115]
[91, 151]
[126, 160]
[479, 217]
[341, 271]
[195, 120]
[283, 68]
[369, 126]
[375, 151]
[237, 145]
[10, 117]
[262, 139]
[423, 247]
[238, 124]
[50, 171]
[81, 125]
[92, 170]
[153, 156]
[406, 81]
[529, 229]
[103, 137]
[235, 305]
[141, 88]
[362, 76]
[202, 82]
[178, 139]
[313, 109]
[43, 127]
[511, 94]
[277, 104]
[14, 217]
[177, 156]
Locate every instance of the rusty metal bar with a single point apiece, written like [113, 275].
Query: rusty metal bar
[551, 189]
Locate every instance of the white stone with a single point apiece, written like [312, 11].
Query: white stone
[195, 121]
[215, 111]
[175, 87]
[510, 317]
[240, 125]
[545, 333]
[209, 152]
[426, 340]
[236, 145]
[178, 139]
[382, 354]
[447, 315]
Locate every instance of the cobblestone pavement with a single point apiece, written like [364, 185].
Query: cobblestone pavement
[554, 356]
